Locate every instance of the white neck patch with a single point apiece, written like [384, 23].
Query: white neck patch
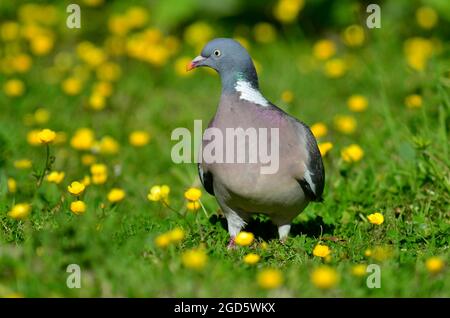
[248, 93]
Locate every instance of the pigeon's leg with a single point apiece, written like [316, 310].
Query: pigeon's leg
[283, 231]
[235, 221]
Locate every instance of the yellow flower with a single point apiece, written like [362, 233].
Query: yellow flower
[287, 96]
[176, 235]
[83, 139]
[244, 238]
[159, 193]
[14, 88]
[264, 32]
[108, 71]
[99, 173]
[324, 277]
[33, 137]
[368, 252]
[321, 250]
[324, 49]
[352, 153]
[76, 188]
[319, 130]
[109, 146]
[193, 194]
[345, 124]
[270, 278]
[139, 138]
[434, 265]
[11, 185]
[99, 178]
[357, 103]
[116, 195]
[335, 68]
[56, 177]
[20, 211]
[78, 207]
[86, 181]
[194, 259]
[376, 218]
[286, 11]
[97, 101]
[381, 253]
[41, 44]
[353, 35]
[162, 240]
[426, 17]
[22, 164]
[136, 16]
[251, 258]
[359, 270]
[47, 136]
[418, 51]
[180, 66]
[9, 30]
[264, 245]
[193, 205]
[41, 116]
[72, 86]
[104, 89]
[21, 63]
[413, 101]
[198, 34]
[88, 159]
[325, 147]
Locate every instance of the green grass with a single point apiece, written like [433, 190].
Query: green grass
[404, 174]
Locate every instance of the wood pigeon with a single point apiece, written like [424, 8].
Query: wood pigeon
[241, 188]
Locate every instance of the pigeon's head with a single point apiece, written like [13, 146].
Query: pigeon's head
[228, 57]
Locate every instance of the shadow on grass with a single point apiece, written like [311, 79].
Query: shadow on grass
[265, 229]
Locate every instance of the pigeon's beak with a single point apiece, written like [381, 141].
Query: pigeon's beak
[195, 62]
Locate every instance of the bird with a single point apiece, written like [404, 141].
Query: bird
[240, 188]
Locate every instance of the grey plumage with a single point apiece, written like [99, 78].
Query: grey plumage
[240, 188]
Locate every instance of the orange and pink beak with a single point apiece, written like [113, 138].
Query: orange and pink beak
[195, 62]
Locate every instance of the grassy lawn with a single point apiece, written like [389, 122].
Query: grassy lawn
[403, 172]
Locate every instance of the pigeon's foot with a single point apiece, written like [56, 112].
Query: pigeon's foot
[232, 244]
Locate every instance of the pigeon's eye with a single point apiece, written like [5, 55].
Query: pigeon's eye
[217, 53]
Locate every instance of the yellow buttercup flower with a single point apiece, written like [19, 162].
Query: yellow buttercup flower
[78, 207]
[99, 173]
[357, 103]
[319, 130]
[359, 270]
[270, 278]
[47, 136]
[41, 116]
[71, 86]
[193, 194]
[345, 124]
[97, 101]
[418, 51]
[321, 251]
[376, 218]
[139, 138]
[251, 258]
[286, 11]
[21, 63]
[23, 164]
[426, 17]
[109, 146]
[244, 238]
[159, 193]
[324, 49]
[20, 211]
[324, 277]
[434, 265]
[176, 235]
[162, 240]
[116, 195]
[193, 205]
[287, 96]
[88, 159]
[11, 185]
[9, 30]
[83, 139]
[104, 89]
[56, 177]
[353, 35]
[264, 32]
[335, 68]
[41, 44]
[14, 88]
[194, 259]
[76, 188]
[86, 181]
[413, 101]
[352, 153]
[33, 137]
[325, 147]
[198, 33]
